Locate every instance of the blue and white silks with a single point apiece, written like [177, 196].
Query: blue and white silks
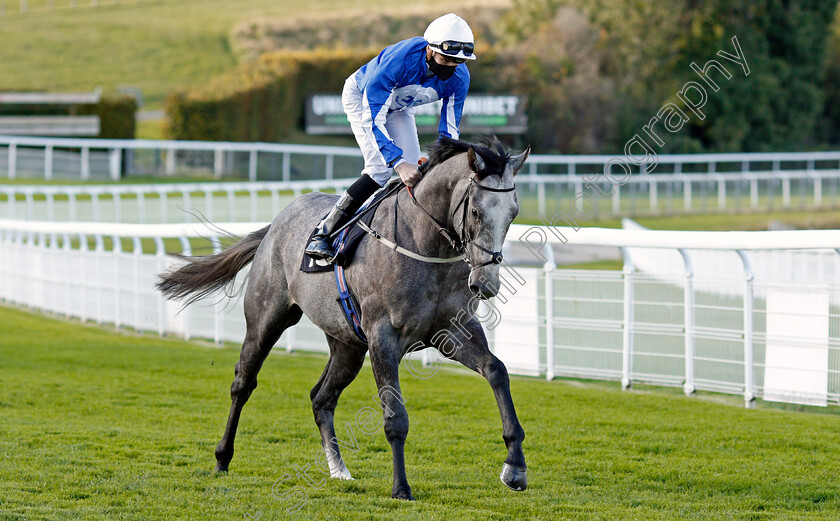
[379, 101]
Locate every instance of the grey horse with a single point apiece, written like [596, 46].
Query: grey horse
[463, 206]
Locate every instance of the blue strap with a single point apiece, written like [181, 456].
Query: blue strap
[344, 297]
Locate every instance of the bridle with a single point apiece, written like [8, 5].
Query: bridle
[460, 241]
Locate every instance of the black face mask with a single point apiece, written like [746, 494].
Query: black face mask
[443, 72]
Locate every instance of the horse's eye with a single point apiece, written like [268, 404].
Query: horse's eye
[474, 212]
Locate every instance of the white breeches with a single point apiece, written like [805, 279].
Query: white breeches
[399, 126]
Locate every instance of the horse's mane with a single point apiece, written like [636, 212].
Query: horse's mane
[491, 150]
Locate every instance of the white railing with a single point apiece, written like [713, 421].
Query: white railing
[776, 336]
[540, 195]
[680, 183]
[115, 159]
[156, 203]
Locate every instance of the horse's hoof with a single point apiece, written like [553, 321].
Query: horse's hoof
[404, 493]
[516, 478]
[342, 473]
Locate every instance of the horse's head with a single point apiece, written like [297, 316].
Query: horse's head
[482, 204]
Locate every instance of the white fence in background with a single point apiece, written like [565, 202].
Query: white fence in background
[156, 203]
[775, 337]
[540, 195]
[683, 183]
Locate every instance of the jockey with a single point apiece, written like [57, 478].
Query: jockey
[379, 101]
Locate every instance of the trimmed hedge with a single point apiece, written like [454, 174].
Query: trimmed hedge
[262, 100]
[117, 116]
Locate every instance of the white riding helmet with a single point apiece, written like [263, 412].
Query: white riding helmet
[451, 36]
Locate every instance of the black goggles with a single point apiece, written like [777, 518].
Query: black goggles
[453, 48]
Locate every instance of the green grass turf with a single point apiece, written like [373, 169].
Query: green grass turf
[153, 45]
[104, 425]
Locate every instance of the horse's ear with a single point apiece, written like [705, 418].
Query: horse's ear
[516, 163]
[475, 160]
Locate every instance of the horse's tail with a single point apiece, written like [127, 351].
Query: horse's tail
[203, 275]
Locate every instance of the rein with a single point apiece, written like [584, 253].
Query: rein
[458, 242]
[461, 242]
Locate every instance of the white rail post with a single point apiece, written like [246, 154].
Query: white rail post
[330, 166]
[100, 251]
[141, 207]
[287, 167]
[30, 205]
[66, 269]
[12, 195]
[688, 308]
[115, 163]
[754, 193]
[48, 163]
[290, 339]
[616, 200]
[186, 250]
[116, 196]
[82, 278]
[54, 257]
[135, 262]
[785, 191]
[12, 160]
[721, 192]
[549, 267]
[71, 201]
[653, 188]
[117, 251]
[161, 301]
[687, 195]
[187, 204]
[208, 204]
[85, 163]
[164, 202]
[252, 166]
[749, 375]
[50, 205]
[170, 161]
[254, 204]
[217, 307]
[541, 198]
[275, 201]
[231, 200]
[627, 337]
[817, 189]
[218, 163]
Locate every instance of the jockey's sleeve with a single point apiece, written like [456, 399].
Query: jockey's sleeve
[453, 107]
[376, 102]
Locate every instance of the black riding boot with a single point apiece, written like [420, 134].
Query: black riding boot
[320, 247]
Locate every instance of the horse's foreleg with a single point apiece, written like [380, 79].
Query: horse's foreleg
[385, 355]
[475, 354]
[342, 368]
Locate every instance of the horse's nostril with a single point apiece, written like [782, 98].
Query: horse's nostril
[474, 289]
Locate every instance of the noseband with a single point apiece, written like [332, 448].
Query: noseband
[460, 242]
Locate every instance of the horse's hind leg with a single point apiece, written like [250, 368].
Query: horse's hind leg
[345, 362]
[268, 312]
